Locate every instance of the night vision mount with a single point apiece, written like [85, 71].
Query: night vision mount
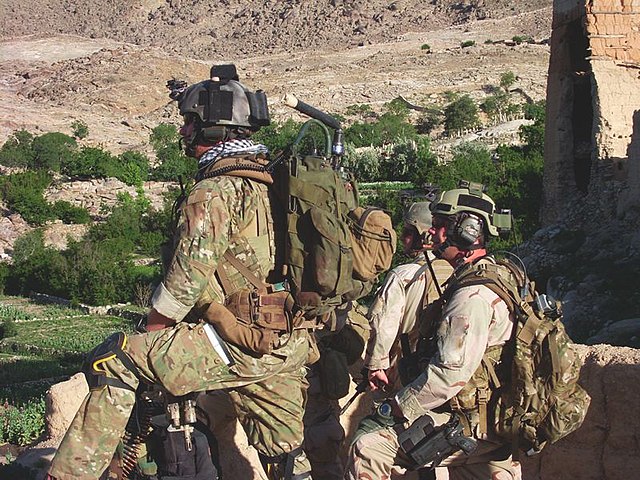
[222, 100]
[471, 197]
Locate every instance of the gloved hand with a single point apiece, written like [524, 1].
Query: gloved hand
[382, 418]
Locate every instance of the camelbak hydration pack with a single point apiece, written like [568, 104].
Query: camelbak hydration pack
[526, 391]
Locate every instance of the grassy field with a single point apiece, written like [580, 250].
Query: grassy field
[41, 345]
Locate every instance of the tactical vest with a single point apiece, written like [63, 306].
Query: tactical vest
[525, 391]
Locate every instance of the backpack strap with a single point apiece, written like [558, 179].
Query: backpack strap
[245, 272]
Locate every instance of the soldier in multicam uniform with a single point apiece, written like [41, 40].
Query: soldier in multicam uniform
[224, 246]
[472, 320]
[406, 292]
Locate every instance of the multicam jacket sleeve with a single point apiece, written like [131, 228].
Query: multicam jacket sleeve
[215, 209]
[472, 320]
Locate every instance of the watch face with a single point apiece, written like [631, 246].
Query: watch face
[384, 409]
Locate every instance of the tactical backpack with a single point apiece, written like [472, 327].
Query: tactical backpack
[526, 391]
[334, 248]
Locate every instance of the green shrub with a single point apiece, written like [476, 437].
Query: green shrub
[518, 39]
[23, 193]
[69, 213]
[360, 109]
[22, 424]
[429, 120]
[277, 136]
[16, 151]
[80, 129]
[4, 274]
[363, 162]
[467, 43]
[8, 328]
[410, 160]
[52, 150]
[163, 135]
[461, 114]
[425, 46]
[387, 129]
[134, 168]
[507, 79]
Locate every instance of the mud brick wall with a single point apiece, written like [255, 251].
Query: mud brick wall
[592, 138]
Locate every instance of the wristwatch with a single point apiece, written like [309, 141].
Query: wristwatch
[384, 410]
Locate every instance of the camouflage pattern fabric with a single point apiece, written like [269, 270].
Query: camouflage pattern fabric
[182, 360]
[378, 455]
[474, 319]
[397, 307]
[220, 213]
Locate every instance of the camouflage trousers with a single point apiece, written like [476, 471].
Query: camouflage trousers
[323, 433]
[377, 456]
[182, 360]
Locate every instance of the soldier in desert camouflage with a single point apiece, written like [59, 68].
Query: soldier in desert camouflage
[401, 300]
[223, 264]
[471, 321]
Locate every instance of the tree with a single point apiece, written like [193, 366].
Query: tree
[23, 193]
[430, 119]
[277, 136]
[507, 79]
[461, 114]
[16, 151]
[52, 150]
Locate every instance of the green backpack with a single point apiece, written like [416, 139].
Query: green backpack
[527, 391]
[334, 248]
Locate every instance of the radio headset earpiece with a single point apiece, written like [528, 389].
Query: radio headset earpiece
[466, 230]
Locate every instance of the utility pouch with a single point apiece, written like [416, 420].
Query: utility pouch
[238, 331]
[269, 311]
[174, 461]
[427, 444]
[334, 374]
[373, 241]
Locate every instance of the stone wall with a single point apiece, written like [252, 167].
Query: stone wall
[606, 447]
[593, 105]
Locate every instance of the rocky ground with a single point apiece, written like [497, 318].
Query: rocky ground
[106, 63]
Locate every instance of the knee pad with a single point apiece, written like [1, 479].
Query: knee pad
[94, 368]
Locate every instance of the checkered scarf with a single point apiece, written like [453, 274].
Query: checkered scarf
[230, 148]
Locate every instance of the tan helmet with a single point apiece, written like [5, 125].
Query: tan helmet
[419, 216]
[470, 198]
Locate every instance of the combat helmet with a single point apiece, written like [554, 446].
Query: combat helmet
[419, 216]
[470, 198]
[224, 102]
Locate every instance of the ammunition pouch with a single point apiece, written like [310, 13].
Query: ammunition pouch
[427, 444]
[94, 364]
[254, 321]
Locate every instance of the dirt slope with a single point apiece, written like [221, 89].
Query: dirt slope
[117, 88]
[205, 29]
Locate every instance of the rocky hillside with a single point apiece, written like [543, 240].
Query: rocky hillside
[205, 29]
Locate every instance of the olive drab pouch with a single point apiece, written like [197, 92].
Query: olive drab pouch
[373, 241]
[527, 391]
